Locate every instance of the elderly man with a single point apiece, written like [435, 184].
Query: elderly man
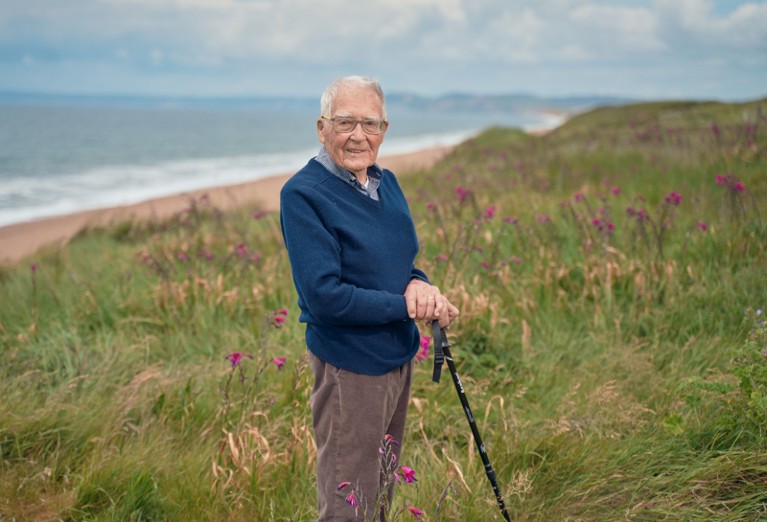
[352, 247]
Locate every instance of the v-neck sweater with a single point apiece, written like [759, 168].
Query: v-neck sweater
[351, 258]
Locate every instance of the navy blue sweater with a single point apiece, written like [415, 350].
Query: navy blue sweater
[351, 258]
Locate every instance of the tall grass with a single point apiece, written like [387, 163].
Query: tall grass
[602, 271]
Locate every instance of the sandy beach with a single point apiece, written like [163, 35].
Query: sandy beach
[20, 240]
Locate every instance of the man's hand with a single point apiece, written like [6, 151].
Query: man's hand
[426, 303]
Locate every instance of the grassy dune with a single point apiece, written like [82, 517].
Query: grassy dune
[611, 277]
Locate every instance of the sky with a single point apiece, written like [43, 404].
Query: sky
[644, 49]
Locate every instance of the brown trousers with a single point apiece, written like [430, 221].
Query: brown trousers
[352, 413]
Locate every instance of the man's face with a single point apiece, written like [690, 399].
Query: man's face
[355, 151]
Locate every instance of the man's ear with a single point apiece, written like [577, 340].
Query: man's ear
[321, 130]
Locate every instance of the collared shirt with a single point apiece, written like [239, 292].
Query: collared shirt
[374, 174]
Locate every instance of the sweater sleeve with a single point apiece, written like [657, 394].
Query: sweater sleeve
[315, 259]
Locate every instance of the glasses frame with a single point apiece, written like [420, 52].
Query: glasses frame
[382, 124]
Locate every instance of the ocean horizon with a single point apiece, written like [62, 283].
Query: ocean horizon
[58, 156]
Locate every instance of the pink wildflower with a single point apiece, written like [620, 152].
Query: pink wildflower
[279, 362]
[489, 212]
[241, 250]
[417, 513]
[343, 484]
[721, 179]
[673, 198]
[423, 353]
[515, 260]
[33, 267]
[389, 440]
[739, 186]
[431, 206]
[511, 219]
[352, 499]
[408, 474]
[236, 357]
[702, 226]
[615, 191]
[260, 214]
[182, 256]
[542, 218]
[462, 193]
[579, 196]
[441, 258]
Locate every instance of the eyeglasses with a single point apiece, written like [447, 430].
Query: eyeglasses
[347, 125]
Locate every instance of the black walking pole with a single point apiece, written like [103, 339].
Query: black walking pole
[442, 353]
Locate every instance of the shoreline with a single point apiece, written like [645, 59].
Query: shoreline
[21, 240]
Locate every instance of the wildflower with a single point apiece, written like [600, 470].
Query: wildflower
[352, 499]
[389, 439]
[721, 179]
[343, 484]
[739, 186]
[431, 206]
[716, 131]
[282, 311]
[579, 196]
[241, 250]
[408, 474]
[182, 256]
[280, 362]
[515, 260]
[511, 219]
[759, 311]
[441, 258]
[417, 513]
[236, 357]
[278, 318]
[33, 267]
[462, 193]
[702, 226]
[423, 353]
[489, 212]
[260, 214]
[542, 218]
[673, 198]
[615, 191]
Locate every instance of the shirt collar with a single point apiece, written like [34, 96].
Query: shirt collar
[374, 171]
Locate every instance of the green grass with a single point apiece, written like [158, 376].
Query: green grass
[605, 352]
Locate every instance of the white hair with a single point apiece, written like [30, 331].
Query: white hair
[326, 102]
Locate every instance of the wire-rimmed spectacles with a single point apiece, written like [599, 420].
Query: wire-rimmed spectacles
[347, 125]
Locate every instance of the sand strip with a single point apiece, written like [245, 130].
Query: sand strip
[21, 240]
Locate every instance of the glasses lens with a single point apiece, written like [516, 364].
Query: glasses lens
[345, 125]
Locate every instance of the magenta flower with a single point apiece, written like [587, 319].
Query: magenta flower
[489, 212]
[417, 513]
[462, 193]
[278, 318]
[236, 357]
[182, 256]
[408, 474]
[516, 260]
[579, 196]
[721, 179]
[739, 186]
[280, 362]
[431, 206]
[441, 258]
[33, 267]
[343, 484]
[352, 499]
[389, 440]
[673, 198]
[260, 214]
[702, 226]
[423, 353]
[615, 191]
[511, 219]
[542, 218]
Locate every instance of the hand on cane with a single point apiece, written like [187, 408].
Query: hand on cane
[426, 303]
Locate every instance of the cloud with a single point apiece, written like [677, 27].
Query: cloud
[447, 44]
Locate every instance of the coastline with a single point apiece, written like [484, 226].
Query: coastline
[20, 240]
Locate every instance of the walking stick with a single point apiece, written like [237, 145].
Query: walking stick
[442, 353]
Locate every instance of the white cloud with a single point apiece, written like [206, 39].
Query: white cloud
[445, 44]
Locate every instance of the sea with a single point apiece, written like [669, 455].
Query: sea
[61, 156]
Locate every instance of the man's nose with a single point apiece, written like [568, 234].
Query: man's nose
[357, 132]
